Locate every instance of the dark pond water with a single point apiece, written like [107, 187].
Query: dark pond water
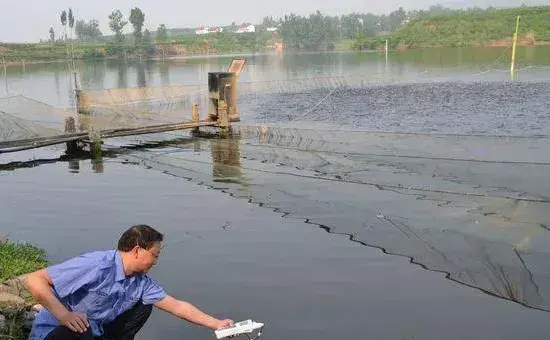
[414, 205]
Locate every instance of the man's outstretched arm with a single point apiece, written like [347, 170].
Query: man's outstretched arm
[185, 310]
[40, 285]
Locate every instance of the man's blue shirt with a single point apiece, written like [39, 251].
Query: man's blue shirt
[95, 284]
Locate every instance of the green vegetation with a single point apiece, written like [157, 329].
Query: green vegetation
[435, 27]
[47, 51]
[320, 32]
[18, 259]
[221, 42]
[473, 27]
[162, 34]
[88, 31]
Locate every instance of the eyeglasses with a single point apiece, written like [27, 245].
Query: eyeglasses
[156, 256]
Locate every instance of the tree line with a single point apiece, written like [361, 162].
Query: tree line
[142, 41]
[436, 26]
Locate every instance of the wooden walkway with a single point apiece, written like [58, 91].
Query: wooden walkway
[31, 143]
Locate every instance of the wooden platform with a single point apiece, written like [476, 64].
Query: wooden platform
[25, 144]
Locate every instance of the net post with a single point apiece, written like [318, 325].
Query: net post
[195, 118]
[95, 150]
[70, 127]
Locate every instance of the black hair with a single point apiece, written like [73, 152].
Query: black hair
[139, 235]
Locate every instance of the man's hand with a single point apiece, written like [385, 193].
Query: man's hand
[76, 322]
[40, 285]
[187, 311]
[225, 323]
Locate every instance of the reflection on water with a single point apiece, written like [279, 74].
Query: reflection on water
[164, 72]
[74, 166]
[92, 75]
[141, 81]
[122, 72]
[97, 162]
[226, 160]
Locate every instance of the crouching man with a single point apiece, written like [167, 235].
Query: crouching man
[107, 295]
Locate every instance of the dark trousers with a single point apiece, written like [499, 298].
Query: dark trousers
[124, 327]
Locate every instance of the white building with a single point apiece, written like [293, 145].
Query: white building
[246, 29]
[271, 29]
[207, 30]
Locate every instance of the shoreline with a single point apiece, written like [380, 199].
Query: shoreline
[17, 306]
[190, 56]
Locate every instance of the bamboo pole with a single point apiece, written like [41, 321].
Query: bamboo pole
[195, 117]
[514, 43]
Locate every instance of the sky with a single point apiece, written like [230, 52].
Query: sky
[30, 20]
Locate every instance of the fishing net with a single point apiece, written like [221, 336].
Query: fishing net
[23, 118]
[481, 219]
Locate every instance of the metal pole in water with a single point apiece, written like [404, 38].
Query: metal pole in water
[514, 43]
[5, 75]
[386, 51]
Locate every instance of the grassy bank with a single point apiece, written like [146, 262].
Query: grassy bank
[179, 45]
[469, 28]
[18, 259]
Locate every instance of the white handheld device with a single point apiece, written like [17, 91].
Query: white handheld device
[247, 326]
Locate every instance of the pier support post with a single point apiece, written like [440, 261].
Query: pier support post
[95, 150]
[223, 115]
[222, 86]
[70, 127]
[195, 118]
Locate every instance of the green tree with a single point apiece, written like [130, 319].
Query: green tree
[137, 18]
[71, 18]
[316, 32]
[88, 31]
[64, 22]
[269, 22]
[162, 34]
[147, 37]
[71, 21]
[71, 26]
[116, 24]
[396, 19]
[52, 35]
[147, 43]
